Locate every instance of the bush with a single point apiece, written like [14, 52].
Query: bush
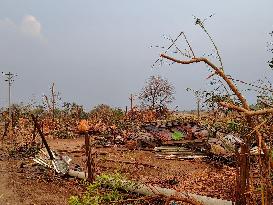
[98, 193]
[106, 114]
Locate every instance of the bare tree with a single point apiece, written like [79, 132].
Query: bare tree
[51, 101]
[158, 93]
[242, 106]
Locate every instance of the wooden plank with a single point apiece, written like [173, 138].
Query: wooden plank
[197, 141]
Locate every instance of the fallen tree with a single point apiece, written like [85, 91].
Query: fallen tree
[150, 190]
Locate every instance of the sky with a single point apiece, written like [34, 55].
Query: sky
[100, 51]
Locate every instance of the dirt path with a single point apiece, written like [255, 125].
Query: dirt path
[7, 195]
[23, 184]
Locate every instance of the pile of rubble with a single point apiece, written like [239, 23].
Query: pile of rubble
[171, 140]
[177, 140]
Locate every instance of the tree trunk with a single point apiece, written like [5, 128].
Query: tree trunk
[90, 161]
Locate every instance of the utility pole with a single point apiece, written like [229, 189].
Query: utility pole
[10, 79]
[132, 98]
[198, 108]
[131, 101]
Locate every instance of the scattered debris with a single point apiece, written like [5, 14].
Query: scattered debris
[25, 150]
[168, 140]
[174, 152]
[59, 163]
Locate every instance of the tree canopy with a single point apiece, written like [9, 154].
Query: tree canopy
[158, 93]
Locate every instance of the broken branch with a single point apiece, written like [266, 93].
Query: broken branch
[217, 70]
[234, 107]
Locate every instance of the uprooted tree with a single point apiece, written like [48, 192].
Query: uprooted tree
[252, 120]
[157, 94]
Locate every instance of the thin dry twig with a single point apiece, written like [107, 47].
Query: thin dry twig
[257, 127]
[173, 43]
[188, 44]
[266, 103]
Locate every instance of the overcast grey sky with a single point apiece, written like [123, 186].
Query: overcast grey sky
[99, 51]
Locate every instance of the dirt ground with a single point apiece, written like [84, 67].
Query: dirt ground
[22, 182]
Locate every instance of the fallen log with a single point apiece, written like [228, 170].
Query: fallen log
[149, 190]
